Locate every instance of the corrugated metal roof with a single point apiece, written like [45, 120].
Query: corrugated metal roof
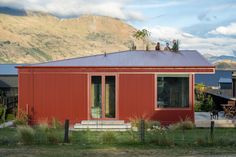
[213, 79]
[225, 80]
[8, 81]
[8, 69]
[136, 58]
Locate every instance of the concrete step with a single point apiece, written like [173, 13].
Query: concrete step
[102, 122]
[102, 125]
[101, 129]
[218, 123]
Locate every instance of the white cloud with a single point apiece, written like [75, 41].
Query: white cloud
[214, 46]
[225, 30]
[77, 7]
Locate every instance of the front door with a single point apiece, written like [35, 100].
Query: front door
[103, 96]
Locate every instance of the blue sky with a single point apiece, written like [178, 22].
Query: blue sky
[206, 25]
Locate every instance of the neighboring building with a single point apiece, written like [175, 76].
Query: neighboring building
[9, 79]
[221, 82]
[155, 85]
[225, 83]
[210, 80]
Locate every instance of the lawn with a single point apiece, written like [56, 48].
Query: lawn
[124, 144]
[75, 150]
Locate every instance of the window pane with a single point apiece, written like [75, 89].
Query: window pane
[172, 91]
[110, 96]
[96, 96]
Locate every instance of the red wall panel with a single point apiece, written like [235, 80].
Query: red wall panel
[136, 95]
[25, 92]
[63, 96]
[137, 100]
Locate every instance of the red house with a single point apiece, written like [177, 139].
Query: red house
[156, 85]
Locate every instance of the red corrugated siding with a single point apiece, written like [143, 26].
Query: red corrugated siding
[54, 95]
[137, 99]
[25, 92]
[136, 95]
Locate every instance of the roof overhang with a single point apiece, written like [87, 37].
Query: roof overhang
[176, 69]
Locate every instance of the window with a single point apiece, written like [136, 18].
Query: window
[103, 96]
[173, 91]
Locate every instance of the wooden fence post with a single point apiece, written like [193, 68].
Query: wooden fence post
[142, 130]
[66, 134]
[212, 130]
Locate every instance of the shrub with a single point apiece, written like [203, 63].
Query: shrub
[55, 136]
[161, 137]
[10, 117]
[41, 134]
[108, 137]
[186, 124]
[197, 106]
[209, 104]
[149, 124]
[22, 118]
[26, 134]
[152, 124]
[56, 124]
[3, 113]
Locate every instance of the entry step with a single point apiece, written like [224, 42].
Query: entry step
[102, 125]
[102, 122]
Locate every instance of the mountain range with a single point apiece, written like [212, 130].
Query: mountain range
[32, 37]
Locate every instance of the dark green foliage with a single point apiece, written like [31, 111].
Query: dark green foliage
[10, 117]
[203, 102]
[3, 109]
[144, 36]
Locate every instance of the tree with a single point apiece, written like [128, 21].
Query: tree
[144, 36]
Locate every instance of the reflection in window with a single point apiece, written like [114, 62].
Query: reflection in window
[173, 91]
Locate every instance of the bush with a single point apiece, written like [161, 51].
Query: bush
[26, 134]
[197, 106]
[149, 124]
[186, 124]
[55, 136]
[152, 124]
[3, 113]
[108, 137]
[161, 137]
[56, 124]
[10, 117]
[22, 118]
[41, 136]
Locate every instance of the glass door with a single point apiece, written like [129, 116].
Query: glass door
[103, 97]
[96, 97]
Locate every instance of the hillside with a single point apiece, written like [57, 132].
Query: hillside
[222, 62]
[38, 37]
[225, 64]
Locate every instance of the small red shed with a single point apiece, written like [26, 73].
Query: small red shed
[156, 85]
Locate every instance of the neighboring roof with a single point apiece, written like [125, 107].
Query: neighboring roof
[188, 58]
[8, 81]
[8, 69]
[213, 79]
[225, 80]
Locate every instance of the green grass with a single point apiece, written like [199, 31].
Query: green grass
[87, 143]
[128, 151]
